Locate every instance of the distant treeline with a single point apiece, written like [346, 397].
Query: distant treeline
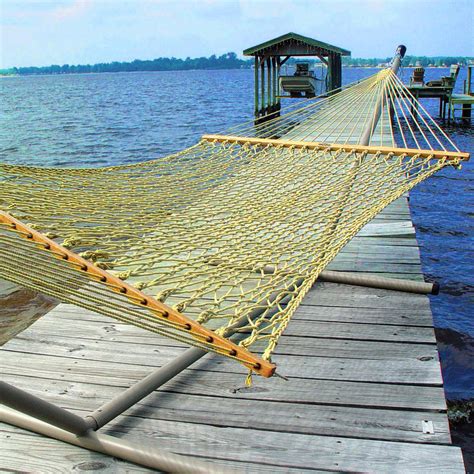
[226, 61]
[408, 61]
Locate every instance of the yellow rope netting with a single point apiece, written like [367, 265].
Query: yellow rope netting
[230, 234]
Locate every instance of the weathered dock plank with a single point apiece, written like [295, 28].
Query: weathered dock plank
[46, 457]
[302, 451]
[407, 371]
[282, 416]
[72, 459]
[342, 454]
[75, 347]
[303, 325]
[228, 385]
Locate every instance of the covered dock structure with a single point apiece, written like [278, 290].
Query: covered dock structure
[272, 54]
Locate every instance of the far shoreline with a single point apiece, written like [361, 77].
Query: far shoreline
[2, 76]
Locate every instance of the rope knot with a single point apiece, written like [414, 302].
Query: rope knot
[180, 307]
[94, 255]
[205, 316]
[71, 242]
[162, 295]
[124, 275]
[33, 226]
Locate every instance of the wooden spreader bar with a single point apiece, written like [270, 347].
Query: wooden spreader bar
[345, 147]
[160, 310]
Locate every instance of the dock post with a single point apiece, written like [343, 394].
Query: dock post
[277, 95]
[274, 82]
[466, 112]
[269, 86]
[262, 85]
[256, 86]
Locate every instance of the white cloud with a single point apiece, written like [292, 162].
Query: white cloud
[71, 11]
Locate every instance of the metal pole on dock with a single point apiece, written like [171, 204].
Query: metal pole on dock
[396, 62]
[139, 452]
[159, 377]
[373, 281]
[38, 408]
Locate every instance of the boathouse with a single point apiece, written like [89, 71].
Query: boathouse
[272, 54]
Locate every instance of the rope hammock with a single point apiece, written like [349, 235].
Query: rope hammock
[228, 235]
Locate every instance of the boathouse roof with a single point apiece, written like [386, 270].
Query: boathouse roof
[293, 44]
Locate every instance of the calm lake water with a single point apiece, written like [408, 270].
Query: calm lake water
[108, 119]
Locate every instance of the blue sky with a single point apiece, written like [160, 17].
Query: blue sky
[38, 33]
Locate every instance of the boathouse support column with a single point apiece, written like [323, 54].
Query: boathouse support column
[337, 71]
[269, 86]
[329, 74]
[256, 86]
[277, 95]
[334, 74]
[274, 84]
[262, 85]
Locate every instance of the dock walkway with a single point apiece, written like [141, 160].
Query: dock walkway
[364, 389]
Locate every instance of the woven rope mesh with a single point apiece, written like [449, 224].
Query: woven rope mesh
[223, 232]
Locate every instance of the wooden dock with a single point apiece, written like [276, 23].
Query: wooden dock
[364, 390]
[361, 389]
[466, 101]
